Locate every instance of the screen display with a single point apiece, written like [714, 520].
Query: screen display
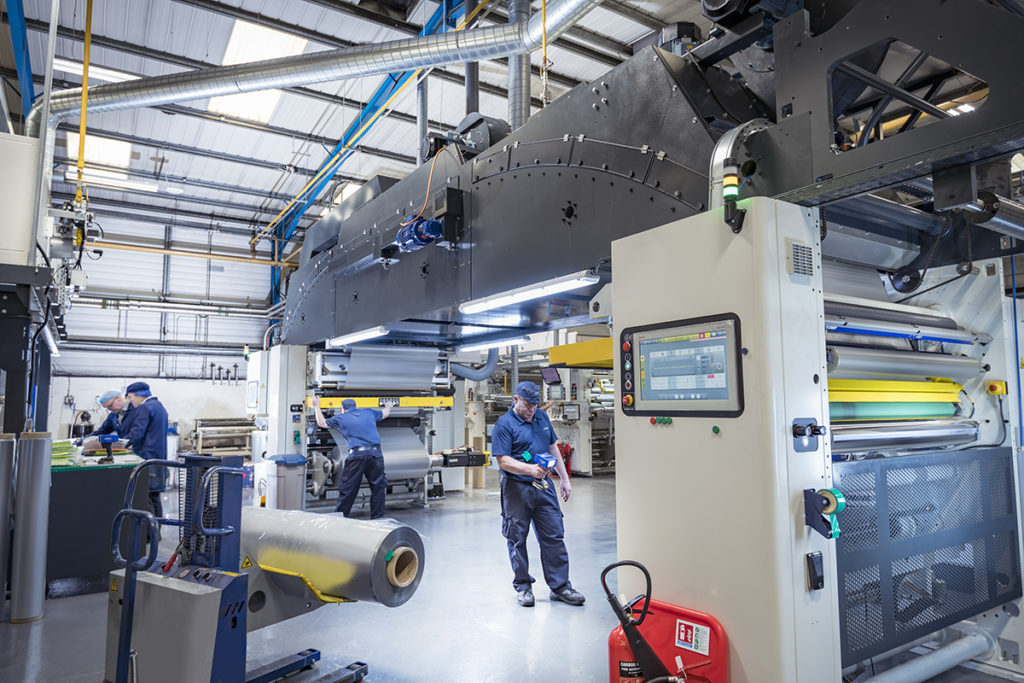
[688, 367]
[550, 375]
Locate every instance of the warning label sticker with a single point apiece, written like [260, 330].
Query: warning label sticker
[690, 636]
[113, 585]
[630, 672]
[246, 563]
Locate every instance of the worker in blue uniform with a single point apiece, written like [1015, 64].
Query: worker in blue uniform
[147, 436]
[359, 428]
[527, 496]
[118, 418]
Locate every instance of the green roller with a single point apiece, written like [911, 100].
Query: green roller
[889, 411]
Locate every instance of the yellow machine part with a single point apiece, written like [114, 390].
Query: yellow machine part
[891, 391]
[596, 353]
[378, 401]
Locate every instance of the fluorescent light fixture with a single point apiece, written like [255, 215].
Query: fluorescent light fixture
[252, 43]
[492, 344]
[174, 189]
[110, 179]
[96, 73]
[538, 291]
[964, 108]
[100, 150]
[362, 335]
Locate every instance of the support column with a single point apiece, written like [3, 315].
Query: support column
[472, 73]
[421, 118]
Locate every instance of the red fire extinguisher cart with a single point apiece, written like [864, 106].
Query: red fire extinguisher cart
[665, 642]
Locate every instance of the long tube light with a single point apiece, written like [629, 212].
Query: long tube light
[110, 180]
[51, 342]
[492, 344]
[556, 285]
[362, 335]
[96, 73]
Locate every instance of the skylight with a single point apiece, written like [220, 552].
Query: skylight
[251, 43]
[101, 150]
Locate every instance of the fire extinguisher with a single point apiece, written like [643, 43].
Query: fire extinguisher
[631, 658]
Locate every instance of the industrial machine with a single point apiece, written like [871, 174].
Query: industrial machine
[235, 570]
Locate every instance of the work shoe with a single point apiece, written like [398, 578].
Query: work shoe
[569, 596]
[526, 598]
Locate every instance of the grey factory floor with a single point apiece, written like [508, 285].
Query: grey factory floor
[463, 624]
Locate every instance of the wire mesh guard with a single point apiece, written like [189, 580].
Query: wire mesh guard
[193, 544]
[927, 540]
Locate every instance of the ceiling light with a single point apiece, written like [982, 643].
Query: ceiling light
[51, 342]
[964, 108]
[362, 335]
[514, 341]
[96, 73]
[100, 150]
[530, 292]
[108, 179]
[174, 189]
[252, 43]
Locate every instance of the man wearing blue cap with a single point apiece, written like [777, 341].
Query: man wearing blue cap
[527, 496]
[358, 426]
[147, 436]
[119, 419]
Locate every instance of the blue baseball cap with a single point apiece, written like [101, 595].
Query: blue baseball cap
[528, 391]
[348, 403]
[139, 389]
[107, 396]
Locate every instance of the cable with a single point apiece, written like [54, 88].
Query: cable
[426, 198]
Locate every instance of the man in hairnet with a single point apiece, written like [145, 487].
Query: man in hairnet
[119, 417]
[359, 428]
[147, 436]
[527, 496]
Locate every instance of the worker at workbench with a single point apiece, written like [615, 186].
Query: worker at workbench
[359, 428]
[119, 416]
[147, 436]
[528, 496]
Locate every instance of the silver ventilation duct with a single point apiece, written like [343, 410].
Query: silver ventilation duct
[330, 65]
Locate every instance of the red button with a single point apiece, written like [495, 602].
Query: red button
[627, 400]
[626, 346]
[654, 420]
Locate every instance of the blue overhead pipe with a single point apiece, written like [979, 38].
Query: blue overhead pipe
[19, 41]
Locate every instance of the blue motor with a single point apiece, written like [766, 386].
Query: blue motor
[418, 234]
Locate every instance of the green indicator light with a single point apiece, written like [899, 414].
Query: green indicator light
[715, 429]
[730, 191]
[668, 420]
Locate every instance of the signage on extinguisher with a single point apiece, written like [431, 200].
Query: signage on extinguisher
[690, 636]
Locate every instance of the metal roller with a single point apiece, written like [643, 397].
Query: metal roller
[890, 314]
[31, 518]
[848, 361]
[375, 561]
[7, 449]
[902, 435]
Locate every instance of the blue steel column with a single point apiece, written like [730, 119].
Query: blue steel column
[19, 41]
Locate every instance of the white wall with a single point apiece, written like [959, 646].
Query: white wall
[185, 400]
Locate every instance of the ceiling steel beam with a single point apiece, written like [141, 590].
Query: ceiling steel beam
[633, 14]
[137, 206]
[172, 221]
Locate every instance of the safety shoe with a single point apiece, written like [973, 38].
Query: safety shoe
[526, 598]
[569, 596]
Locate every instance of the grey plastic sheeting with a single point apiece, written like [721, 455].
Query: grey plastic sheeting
[389, 368]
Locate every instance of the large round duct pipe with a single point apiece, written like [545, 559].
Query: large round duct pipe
[518, 70]
[477, 374]
[488, 42]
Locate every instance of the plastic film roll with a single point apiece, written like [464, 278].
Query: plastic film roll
[889, 411]
[31, 519]
[405, 457]
[902, 436]
[846, 361]
[376, 561]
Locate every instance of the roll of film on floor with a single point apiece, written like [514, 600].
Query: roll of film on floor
[31, 517]
[7, 449]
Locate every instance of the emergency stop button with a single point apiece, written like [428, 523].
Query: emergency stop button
[626, 346]
[627, 400]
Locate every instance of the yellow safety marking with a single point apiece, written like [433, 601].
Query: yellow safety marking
[113, 585]
[403, 401]
[246, 563]
[323, 597]
[596, 353]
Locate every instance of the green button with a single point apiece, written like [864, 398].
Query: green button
[668, 420]
[715, 429]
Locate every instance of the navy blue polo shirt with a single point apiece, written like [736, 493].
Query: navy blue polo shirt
[513, 436]
[358, 426]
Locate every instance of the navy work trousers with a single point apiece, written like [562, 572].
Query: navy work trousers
[369, 462]
[521, 504]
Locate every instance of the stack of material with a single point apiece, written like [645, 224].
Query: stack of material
[64, 453]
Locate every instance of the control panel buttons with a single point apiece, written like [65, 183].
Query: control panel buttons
[628, 366]
[627, 400]
[626, 346]
[628, 385]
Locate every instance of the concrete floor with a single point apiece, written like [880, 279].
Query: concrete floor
[463, 624]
